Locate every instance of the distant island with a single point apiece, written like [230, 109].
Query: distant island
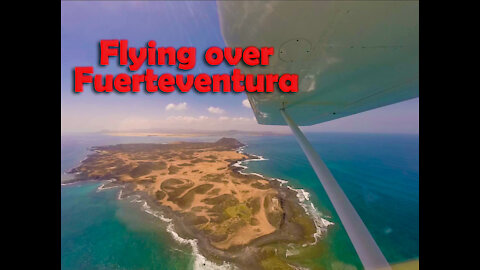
[236, 218]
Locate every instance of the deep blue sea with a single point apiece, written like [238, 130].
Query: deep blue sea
[378, 172]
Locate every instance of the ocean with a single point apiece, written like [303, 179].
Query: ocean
[378, 172]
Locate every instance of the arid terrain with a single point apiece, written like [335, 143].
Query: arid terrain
[235, 217]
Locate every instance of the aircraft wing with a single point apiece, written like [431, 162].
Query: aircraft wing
[351, 56]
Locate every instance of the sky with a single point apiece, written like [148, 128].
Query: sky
[175, 24]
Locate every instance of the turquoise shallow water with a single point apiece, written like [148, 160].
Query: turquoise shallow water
[379, 173]
[100, 233]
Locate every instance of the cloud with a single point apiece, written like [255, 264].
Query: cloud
[234, 119]
[187, 119]
[176, 107]
[245, 103]
[241, 119]
[215, 110]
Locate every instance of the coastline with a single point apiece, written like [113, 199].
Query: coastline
[303, 196]
[206, 257]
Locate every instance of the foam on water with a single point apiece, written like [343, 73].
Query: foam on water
[102, 186]
[200, 262]
[119, 197]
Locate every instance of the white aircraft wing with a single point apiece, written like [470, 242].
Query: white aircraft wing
[351, 56]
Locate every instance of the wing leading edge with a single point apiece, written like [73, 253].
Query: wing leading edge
[351, 56]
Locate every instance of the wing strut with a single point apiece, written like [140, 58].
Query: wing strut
[367, 249]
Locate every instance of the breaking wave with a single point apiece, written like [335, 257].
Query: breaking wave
[200, 262]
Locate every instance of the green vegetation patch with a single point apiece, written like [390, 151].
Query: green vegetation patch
[159, 165]
[240, 210]
[214, 191]
[227, 226]
[143, 156]
[144, 168]
[116, 163]
[220, 203]
[186, 200]
[160, 195]
[222, 199]
[193, 219]
[260, 185]
[197, 208]
[148, 180]
[213, 177]
[198, 160]
[175, 187]
[188, 152]
[173, 194]
[173, 169]
[171, 183]
[245, 179]
[123, 169]
[275, 263]
[254, 221]
[202, 189]
[307, 225]
[214, 234]
[254, 204]
[140, 170]
[168, 155]
[184, 157]
[313, 257]
[185, 164]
